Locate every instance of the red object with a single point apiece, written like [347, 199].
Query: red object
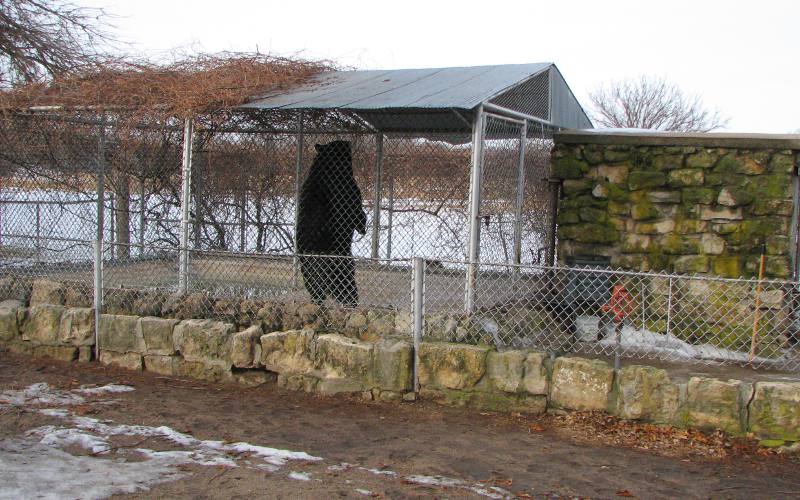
[621, 303]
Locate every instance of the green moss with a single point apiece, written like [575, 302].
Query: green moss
[701, 195]
[590, 214]
[667, 161]
[768, 206]
[782, 163]
[593, 154]
[615, 208]
[678, 244]
[589, 233]
[770, 186]
[576, 186]
[617, 193]
[689, 226]
[644, 210]
[771, 443]
[727, 228]
[568, 216]
[686, 177]
[616, 153]
[646, 179]
[585, 200]
[728, 266]
[702, 159]
[569, 167]
[728, 164]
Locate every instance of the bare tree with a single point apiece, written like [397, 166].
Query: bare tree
[41, 38]
[652, 103]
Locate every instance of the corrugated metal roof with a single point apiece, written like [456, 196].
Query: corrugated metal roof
[436, 88]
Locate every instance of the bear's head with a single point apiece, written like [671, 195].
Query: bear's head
[334, 158]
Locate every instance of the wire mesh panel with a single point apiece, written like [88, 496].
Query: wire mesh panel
[601, 311]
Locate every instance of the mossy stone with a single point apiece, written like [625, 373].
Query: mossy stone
[769, 206]
[782, 163]
[728, 266]
[702, 159]
[590, 214]
[678, 244]
[616, 154]
[646, 179]
[589, 233]
[568, 216]
[617, 193]
[695, 195]
[728, 164]
[667, 161]
[644, 210]
[569, 167]
[686, 177]
[691, 264]
[593, 154]
[576, 186]
[615, 208]
[771, 186]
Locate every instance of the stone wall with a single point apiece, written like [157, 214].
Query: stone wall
[306, 356]
[686, 203]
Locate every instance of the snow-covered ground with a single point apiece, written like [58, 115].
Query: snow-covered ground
[80, 456]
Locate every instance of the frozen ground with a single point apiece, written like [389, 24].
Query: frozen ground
[87, 431]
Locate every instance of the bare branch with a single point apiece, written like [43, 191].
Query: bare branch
[652, 103]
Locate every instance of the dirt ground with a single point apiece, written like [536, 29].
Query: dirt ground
[374, 449]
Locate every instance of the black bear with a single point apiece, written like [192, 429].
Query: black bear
[328, 213]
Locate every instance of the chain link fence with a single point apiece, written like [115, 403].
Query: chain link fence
[221, 226]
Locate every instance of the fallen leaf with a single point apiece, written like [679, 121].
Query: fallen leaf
[625, 493]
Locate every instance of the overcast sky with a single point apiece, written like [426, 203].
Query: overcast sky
[742, 57]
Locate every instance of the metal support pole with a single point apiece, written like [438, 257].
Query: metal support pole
[243, 226]
[142, 215]
[520, 196]
[669, 305]
[390, 218]
[478, 129]
[418, 312]
[555, 192]
[376, 206]
[186, 183]
[298, 171]
[98, 293]
[38, 232]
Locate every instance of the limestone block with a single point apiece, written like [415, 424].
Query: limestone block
[161, 365]
[200, 370]
[355, 323]
[713, 404]
[289, 352]
[492, 401]
[581, 384]
[77, 326]
[120, 300]
[120, 333]
[691, 264]
[686, 177]
[61, 353]
[128, 360]
[712, 244]
[775, 411]
[720, 213]
[47, 292]
[506, 369]
[226, 309]
[380, 324]
[158, 335]
[295, 382]
[451, 366]
[85, 353]
[338, 356]
[15, 289]
[78, 296]
[664, 196]
[535, 379]
[393, 365]
[205, 341]
[243, 348]
[149, 303]
[254, 378]
[187, 306]
[42, 324]
[331, 386]
[304, 315]
[9, 327]
[271, 316]
[403, 322]
[660, 227]
[646, 393]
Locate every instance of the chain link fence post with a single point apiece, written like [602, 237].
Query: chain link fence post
[186, 183]
[98, 293]
[520, 196]
[478, 129]
[298, 171]
[376, 208]
[418, 310]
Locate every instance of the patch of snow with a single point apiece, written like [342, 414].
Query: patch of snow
[54, 412]
[340, 467]
[644, 340]
[380, 472]
[113, 388]
[60, 437]
[449, 482]
[39, 394]
[273, 456]
[366, 493]
[300, 476]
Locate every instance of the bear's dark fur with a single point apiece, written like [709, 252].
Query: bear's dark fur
[330, 210]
